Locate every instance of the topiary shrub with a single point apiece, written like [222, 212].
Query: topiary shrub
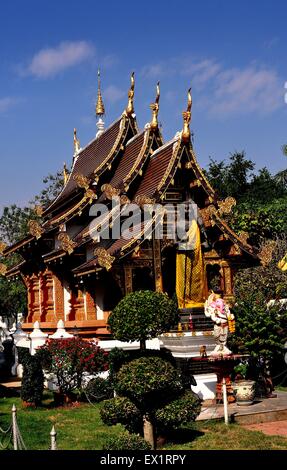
[33, 380]
[149, 381]
[142, 315]
[126, 441]
[122, 410]
[183, 410]
[99, 389]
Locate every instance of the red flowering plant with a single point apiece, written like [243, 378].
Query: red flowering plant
[69, 359]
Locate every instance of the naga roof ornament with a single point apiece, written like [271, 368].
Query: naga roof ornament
[155, 109]
[131, 93]
[77, 146]
[65, 174]
[187, 118]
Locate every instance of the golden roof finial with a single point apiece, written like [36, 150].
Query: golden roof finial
[76, 142]
[130, 106]
[187, 118]
[65, 173]
[155, 108]
[100, 109]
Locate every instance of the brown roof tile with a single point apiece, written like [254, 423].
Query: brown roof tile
[90, 159]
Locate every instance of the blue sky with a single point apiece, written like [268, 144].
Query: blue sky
[233, 54]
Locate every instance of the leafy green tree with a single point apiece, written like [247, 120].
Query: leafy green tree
[53, 185]
[154, 396]
[261, 221]
[231, 179]
[150, 381]
[14, 223]
[14, 227]
[142, 315]
[261, 325]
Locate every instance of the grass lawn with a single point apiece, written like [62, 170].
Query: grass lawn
[80, 428]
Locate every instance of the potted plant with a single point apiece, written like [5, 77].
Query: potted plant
[244, 389]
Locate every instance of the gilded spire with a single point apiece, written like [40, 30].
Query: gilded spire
[130, 106]
[187, 118]
[65, 174]
[155, 108]
[76, 142]
[100, 109]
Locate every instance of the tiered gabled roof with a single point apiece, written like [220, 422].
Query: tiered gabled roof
[137, 167]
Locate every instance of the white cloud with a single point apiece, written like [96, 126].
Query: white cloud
[224, 91]
[51, 61]
[241, 91]
[8, 102]
[154, 70]
[113, 94]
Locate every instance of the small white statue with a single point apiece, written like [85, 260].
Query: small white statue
[218, 310]
[4, 333]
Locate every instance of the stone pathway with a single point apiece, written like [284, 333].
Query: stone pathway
[263, 410]
[277, 428]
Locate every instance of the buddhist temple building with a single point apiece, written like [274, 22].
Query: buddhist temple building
[73, 275]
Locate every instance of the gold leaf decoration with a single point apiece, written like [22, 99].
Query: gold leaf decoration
[2, 247]
[89, 194]
[124, 200]
[3, 269]
[66, 243]
[104, 258]
[225, 207]
[266, 253]
[81, 181]
[38, 209]
[244, 236]
[141, 200]
[35, 229]
[110, 191]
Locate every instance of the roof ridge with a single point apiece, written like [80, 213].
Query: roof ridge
[172, 141]
[135, 136]
[96, 138]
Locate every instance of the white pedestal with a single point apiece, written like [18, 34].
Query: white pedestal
[206, 386]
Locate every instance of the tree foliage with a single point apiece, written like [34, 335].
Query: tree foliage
[32, 386]
[69, 358]
[14, 227]
[142, 315]
[261, 327]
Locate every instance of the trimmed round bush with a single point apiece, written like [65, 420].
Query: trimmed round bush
[142, 315]
[126, 441]
[99, 389]
[121, 410]
[183, 410]
[148, 381]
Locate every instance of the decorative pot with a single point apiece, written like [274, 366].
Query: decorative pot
[244, 391]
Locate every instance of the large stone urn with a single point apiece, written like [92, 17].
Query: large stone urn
[244, 391]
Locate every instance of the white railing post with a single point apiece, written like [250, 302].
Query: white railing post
[53, 435]
[225, 401]
[14, 426]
